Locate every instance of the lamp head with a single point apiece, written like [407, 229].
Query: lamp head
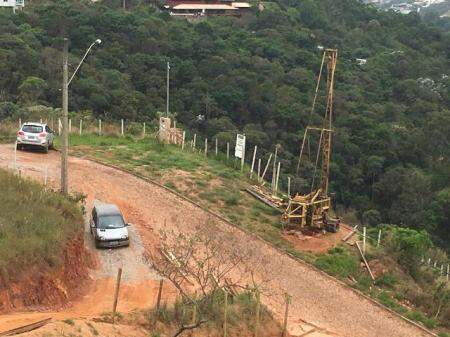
[98, 41]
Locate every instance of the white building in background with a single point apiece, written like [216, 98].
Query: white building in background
[12, 3]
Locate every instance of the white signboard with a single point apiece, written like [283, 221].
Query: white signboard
[239, 151]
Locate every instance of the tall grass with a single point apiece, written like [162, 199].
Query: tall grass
[34, 224]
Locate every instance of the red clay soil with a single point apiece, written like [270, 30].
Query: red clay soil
[44, 286]
[318, 242]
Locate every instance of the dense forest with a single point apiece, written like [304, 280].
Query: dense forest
[257, 73]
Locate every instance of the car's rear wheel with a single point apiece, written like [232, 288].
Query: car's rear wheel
[18, 147]
[46, 149]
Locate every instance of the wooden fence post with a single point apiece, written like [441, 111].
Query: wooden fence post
[257, 313]
[182, 141]
[81, 126]
[206, 147]
[364, 240]
[116, 294]
[194, 314]
[143, 130]
[379, 238]
[70, 125]
[225, 315]
[267, 166]
[59, 126]
[228, 150]
[259, 169]
[20, 123]
[277, 178]
[274, 171]
[253, 161]
[99, 127]
[195, 140]
[158, 300]
[286, 313]
[121, 126]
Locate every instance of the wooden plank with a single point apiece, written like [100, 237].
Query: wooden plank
[26, 328]
[365, 262]
[263, 199]
[355, 229]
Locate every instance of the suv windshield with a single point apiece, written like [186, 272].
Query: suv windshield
[32, 128]
[110, 221]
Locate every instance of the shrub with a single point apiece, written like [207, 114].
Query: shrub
[363, 282]
[338, 262]
[387, 280]
[34, 224]
[387, 300]
[408, 246]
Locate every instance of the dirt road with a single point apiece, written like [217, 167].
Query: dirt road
[319, 304]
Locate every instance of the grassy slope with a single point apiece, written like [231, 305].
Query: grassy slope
[34, 223]
[217, 184]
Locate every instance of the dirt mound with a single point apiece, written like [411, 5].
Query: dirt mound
[47, 286]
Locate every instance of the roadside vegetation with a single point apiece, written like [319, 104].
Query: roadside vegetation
[35, 224]
[166, 322]
[403, 281]
[241, 317]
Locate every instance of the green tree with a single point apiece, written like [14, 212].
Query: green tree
[32, 88]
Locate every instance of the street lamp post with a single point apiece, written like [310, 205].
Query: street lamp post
[65, 109]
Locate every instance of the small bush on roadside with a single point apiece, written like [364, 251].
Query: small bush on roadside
[387, 300]
[363, 282]
[387, 280]
[338, 262]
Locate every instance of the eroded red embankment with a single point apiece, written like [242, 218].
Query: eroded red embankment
[46, 286]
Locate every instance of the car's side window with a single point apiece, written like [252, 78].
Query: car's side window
[94, 217]
[48, 129]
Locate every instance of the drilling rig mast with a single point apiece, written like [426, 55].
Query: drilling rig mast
[311, 210]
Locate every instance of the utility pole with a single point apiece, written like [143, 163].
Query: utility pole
[65, 108]
[167, 87]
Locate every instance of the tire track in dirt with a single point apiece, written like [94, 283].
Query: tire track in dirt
[316, 299]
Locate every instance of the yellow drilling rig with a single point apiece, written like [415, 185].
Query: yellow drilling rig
[311, 210]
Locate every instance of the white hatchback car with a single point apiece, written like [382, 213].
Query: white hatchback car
[35, 134]
[108, 227]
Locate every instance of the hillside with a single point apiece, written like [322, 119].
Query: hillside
[256, 74]
[42, 257]
[317, 301]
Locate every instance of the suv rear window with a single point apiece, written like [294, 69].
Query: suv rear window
[32, 128]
